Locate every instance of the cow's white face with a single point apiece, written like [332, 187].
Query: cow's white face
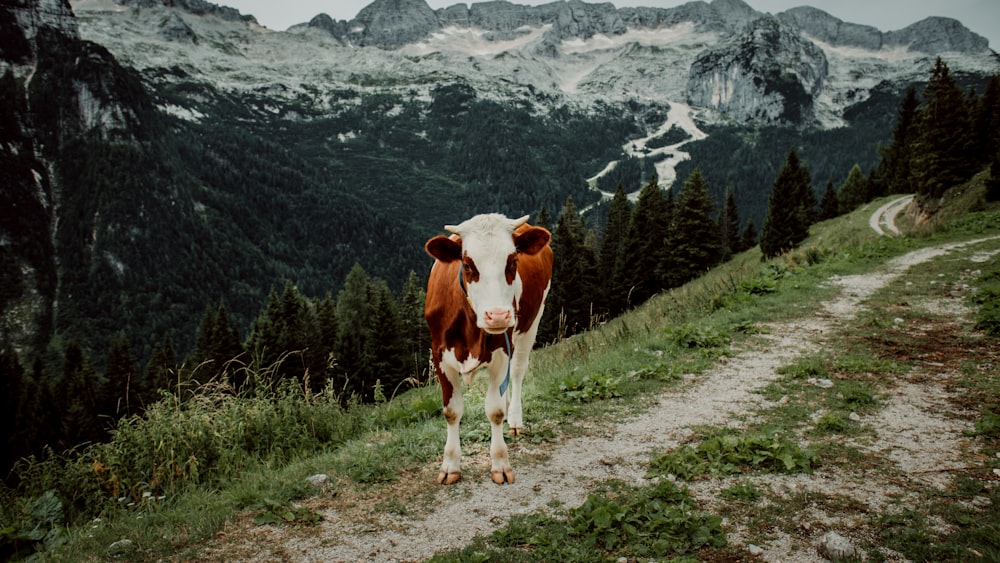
[488, 249]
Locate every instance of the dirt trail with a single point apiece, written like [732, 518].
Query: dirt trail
[724, 395]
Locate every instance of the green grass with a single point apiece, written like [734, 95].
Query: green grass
[170, 481]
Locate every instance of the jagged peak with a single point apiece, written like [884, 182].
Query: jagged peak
[390, 24]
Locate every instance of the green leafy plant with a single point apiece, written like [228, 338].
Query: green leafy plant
[742, 491]
[689, 335]
[585, 387]
[272, 513]
[728, 454]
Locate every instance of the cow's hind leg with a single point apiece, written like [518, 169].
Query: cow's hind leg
[451, 392]
[496, 411]
[519, 365]
[523, 343]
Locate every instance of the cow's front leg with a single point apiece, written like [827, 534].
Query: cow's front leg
[496, 411]
[451, 390]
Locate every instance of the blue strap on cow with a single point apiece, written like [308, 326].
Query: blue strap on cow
[506, 337]
[510, 358]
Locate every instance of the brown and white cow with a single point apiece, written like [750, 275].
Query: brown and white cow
[485, 297]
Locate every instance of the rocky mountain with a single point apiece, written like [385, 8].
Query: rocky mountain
[166, 155]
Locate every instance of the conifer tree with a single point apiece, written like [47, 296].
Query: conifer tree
[123, 383]
[543, 220]
[829, 205]
[615, 233]
[570, 302]
[987, 122]
[894, 174]
[748, 238]
[854, 191]
[787, 221]
[942, 155]
[993, 182]
[729, 226]
[693, 240]
[353, 312]
[12, 387]
[161, 371]
[637, 266]
[385, 350]
[326, 320]
[217, 344]
[414, 327]
[79, 399]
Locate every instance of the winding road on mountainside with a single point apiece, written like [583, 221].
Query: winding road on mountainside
[916, 430]
[885, 216]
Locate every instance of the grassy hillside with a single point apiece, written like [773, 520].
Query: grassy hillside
[202, 461]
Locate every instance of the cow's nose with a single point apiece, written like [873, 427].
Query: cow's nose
[497, 318]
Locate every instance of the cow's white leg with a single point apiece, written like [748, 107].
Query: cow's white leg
[519, 365]
[496, 411]
[523, 343]
[451, 467]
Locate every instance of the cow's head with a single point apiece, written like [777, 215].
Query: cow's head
[488, 247]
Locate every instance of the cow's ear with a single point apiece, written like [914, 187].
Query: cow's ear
[531, 240]
[444, 248]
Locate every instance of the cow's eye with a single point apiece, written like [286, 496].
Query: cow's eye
[511, 271]
[471, 272]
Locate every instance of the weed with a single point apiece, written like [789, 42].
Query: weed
[272, 512]
[742, 491]
[727, 453]
[580, 387]
[689, 335]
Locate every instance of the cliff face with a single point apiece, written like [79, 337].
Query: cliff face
[768, 73]
[56, 90]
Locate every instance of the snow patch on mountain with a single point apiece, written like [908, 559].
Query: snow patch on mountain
[679, 116]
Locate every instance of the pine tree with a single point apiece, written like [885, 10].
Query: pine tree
[414, 327]
[637, 263]
[693, 240]
[787, 221]
[615, 233]
[569, 305]
[542, 220]
[729, 226]
[353, 311]
[161, 371]
[987, 122]
[79, 399]
[854, 191]
[218, 341]
[12, 395]
[894, 174]
[829, 205]
[326, 319]
[993, 182]
[942, 155]
[385, 350]
[123, 383]
[748, 239]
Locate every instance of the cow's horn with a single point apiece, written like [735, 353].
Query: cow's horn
[521, 221]
[451, 229]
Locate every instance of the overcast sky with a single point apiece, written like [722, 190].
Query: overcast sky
[981, 16]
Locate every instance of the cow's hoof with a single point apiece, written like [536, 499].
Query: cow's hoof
[516, 431]
[449, 477]
[501, 476]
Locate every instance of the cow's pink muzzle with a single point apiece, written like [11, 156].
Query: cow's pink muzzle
[497, 320]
